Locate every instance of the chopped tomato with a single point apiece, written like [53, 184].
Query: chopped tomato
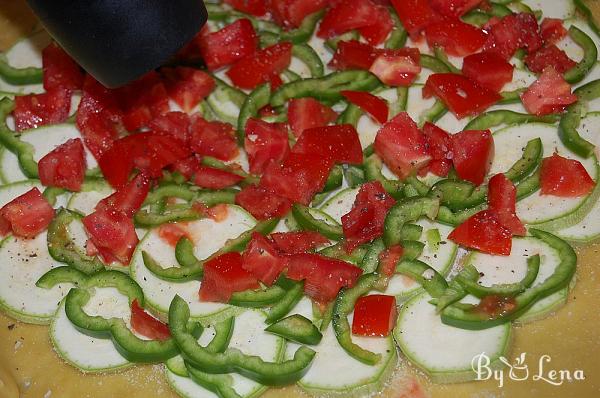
[454, 8]
[224, 275]
[397, 67]
[228, 45]
[214, 139]
[297, 242]
[347, 15]
[60, 71]
[305, 113]
[339, 143]
[262, 203]
[389, 258]
[212, 178]
[439, 146]
[374, 315]
[512, 32]
[112, 232]
[502, 198]
[323, 276]
[415, 15]
[473, 153]
[35, 110]
[488, 69]
[146, 325]
[484, 232]
[375, 106]
[380, 27]
[563, 177]
[172, 232]
[353, 55]
[550, 93]
[262, 260]
[265, 143]
[143, 100]
[187, 167]
[291, 13]
[402, 146]
[64, 166]
[260, 66]
[552, 30]
[365, 220]
[549, 56]
[188, 86]
[176, 124]
[299, 177]
[460, 94]
[26, 215]
[252, 7]
[455, 37]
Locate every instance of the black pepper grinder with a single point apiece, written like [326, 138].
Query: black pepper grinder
[118, 41]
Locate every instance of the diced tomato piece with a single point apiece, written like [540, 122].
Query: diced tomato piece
[262, 260]
[375, 106]
[224, 275]
[455, 37]
[488, 69]
[453, 8]
[365, 220]
[502, 199]
[258, 67]
[415, 15]
[347, 15]
[252, 7]
[563, 177]
[175, 124]
[297, 242]
[398, 67]
[146, 325]
[305, 113]
[291, 13]
[339, 143]
[60, 71]
[64, 166]
[323, 276]
[34, 110]
[380, 27]
[460, 94]
[172, 233]
[299, 177]
[187, 167]
[112, 232]
[484, 232]
[374, 315]
[188, 86]
[439, 146]
[353, 55]
[402, 146]
[26, 215]
[228, 45]
[265, 143]
[261, 203]
[143, 100]
[473, 154]
[549, 56]
[512, 32]
[552, 30]
[389, 258]
[550, 93]
[212, 178]
[214, 139]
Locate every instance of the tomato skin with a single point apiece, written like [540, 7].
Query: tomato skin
[143, 100]
[338, 144]
[27, 215]
[565, 178]
[512, 32]
[112, 232]
[188, 86]
[453, 8]
[380, 26]
[502, 199]
[228, 45]
[550, 93]
[175, 124]
[224, 275]
[262, 203]
[415, 15]
[353, 55]
[291, 13]
[473, 153]
[305, 113]
[212, 178]
[488, 69]
[455, 37]
[389, 258]
[439, 146]
[146, 325]
[484, 232]
[64, 166]
[549, 55]
[366, 219]
[262, 260]
[297, 242]
[265, 143]
[375, 106]
[252, 7]
[216, 139]
[374, 315]
[260, 66]
[347, 15]
[35, 110]
[187, 167]
[402, 146]
[552, 30]
[398, 68]
[60, 71]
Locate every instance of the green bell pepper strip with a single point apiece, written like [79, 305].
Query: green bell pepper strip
[372, 168]
[491, 119]
[448, 217]
[508, 289]
[220, 384]
[233, 360]
[258, 98]
[296, 328]
[19, 76]
[412, 249]
[453, 293]
[257, 298]
[440, 54]
[434, 64]
[319, 198]
[308, 222]
[291, 76]
[219, 164]
[583, 8]
[294, 293]
[400, 104]
[344, 305]
[590, 56]
[62, 274]
[332, 44]
[180, 191]
[326, 88]
[433, 114]
[476, 17]
[11, 141]
[52, 193]
[350, 115]
[239, 243]
[325, 316]
[420, 187]
[62, 248]
[370, 260]
[304, 32]
[528, 185]
[233, 94]
[427, 277]
[267, 39]
[354, 175]
[469, 317]
[338, 251]
[149, 219]
[184, 253]
[211, 198]
[335, 179]
[396, 39]
[175, 273]
[310, 58]
[511, 97]
[404, 211]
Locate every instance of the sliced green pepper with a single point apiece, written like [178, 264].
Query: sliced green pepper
[61, 275]
[372, 168]
[175, 273]
[310, 58]
[296, 328]
[258, 98]
[354, 176]
[590, 56]
[304, 32]
[434, 64]
[19, 76]
[309, 222]
[184, 253]
[496, 118]
[257, 298]
[10, 140]
[404, 211]
[429, 278]
[397, 39]
[294, 293]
